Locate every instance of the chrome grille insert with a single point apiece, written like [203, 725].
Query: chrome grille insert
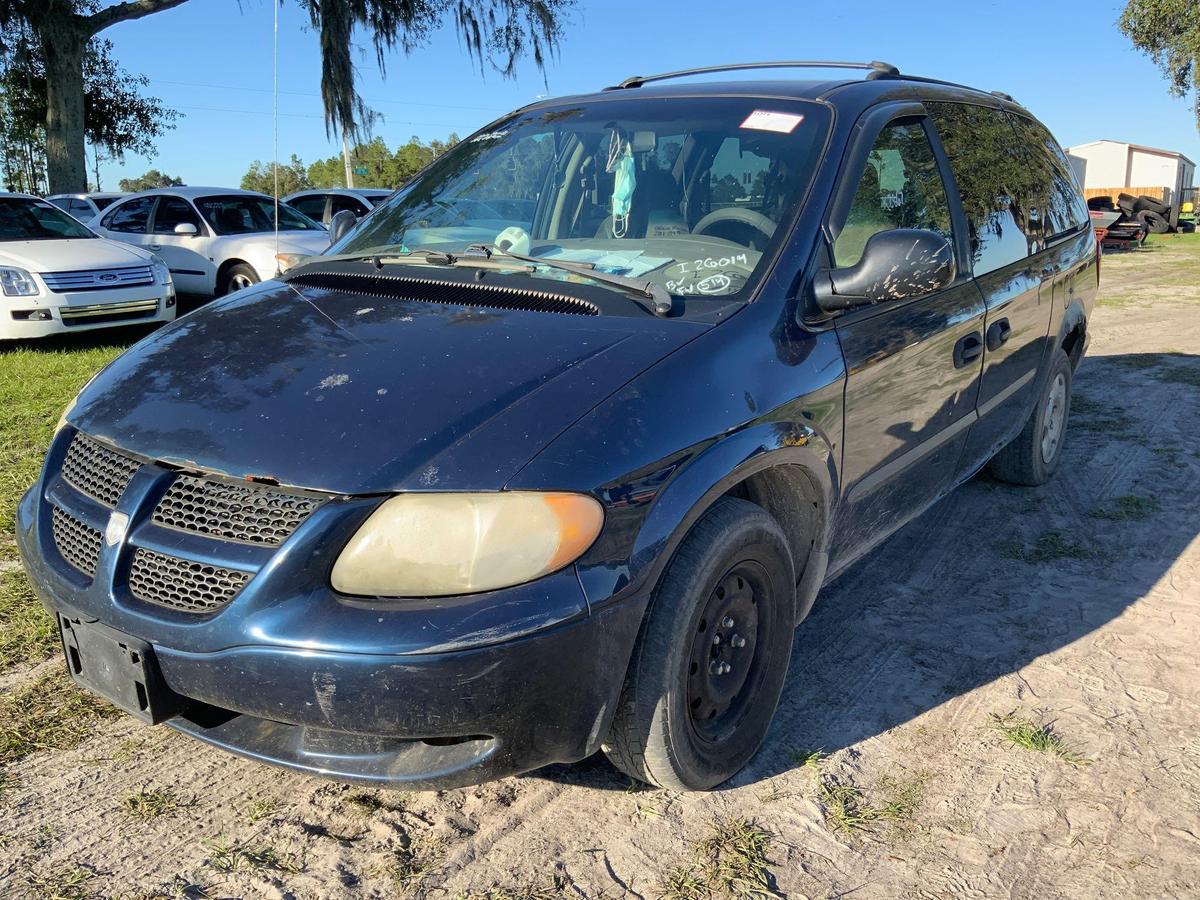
[250, 514]
[108, 312]
[77, 543]
[182, 584]
[97, 279]
[95, 470]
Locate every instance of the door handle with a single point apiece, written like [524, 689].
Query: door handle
[968, 348]
[998, 332]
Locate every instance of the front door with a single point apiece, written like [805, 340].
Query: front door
[913, 366]
[184, 254]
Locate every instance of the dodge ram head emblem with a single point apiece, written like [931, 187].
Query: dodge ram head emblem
[118, 522]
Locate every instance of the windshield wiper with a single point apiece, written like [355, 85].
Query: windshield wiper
[431, 257]
[648, 294]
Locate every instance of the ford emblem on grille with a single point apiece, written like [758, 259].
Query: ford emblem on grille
[108, 276]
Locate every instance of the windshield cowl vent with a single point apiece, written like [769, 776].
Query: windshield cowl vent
[429, 290]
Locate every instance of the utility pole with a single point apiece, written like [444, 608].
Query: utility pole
[346, 160]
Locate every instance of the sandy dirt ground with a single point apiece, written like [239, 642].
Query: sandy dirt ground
[1074, 605]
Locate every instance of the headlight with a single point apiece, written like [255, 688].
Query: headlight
[285, 261]
[17, 282]
[161, 273]
[436, 545]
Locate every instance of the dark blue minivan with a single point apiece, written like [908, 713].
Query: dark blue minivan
[553, 451]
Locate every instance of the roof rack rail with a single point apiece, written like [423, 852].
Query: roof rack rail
[876, 69]
[1003, 96]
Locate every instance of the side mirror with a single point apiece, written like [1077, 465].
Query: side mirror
[896, 265]
[340, 225]
[187, 229]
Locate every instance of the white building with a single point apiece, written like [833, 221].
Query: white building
[1113, 164]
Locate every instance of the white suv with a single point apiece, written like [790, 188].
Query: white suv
[57, 276]
[215, 240]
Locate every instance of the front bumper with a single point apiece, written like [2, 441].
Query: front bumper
[63, 313]
[429, 694]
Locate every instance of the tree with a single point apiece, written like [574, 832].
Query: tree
[117, 117]
[261, 177]
[495, 32]
[148, 182]
[1168, 31]
[385, 168]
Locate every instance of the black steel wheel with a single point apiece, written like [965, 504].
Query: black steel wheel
[710, 661]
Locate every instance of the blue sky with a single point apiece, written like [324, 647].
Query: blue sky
[211, 59]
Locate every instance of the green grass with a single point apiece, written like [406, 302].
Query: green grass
[1039, 737]
[225, 856]
[36, 384]
[144, 805]
[552, 890]
[848, 809]
[809, 759]
[27, 633]
[1127, 508]
[260, 809]
[731, 862]
[1047, 547]
[63, 884]
[50, 713]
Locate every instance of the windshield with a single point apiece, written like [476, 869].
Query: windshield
[36, 220]
[236, 214]
[690, 193]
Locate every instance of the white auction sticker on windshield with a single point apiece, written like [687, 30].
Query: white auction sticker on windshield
[765, 120]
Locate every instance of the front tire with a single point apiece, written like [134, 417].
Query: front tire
[237, 277]
[1032, 458]
[710, 661]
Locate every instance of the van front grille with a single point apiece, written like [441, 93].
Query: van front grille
[183, 584]
[97, 471]
[250, 514]
[77, 543]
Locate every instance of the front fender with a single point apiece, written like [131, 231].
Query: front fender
[706, 477]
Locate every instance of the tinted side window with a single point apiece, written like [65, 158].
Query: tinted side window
[78, 208]
[338, 203]
[131, 217]
[60, 202]
[313, 207]
[992, 174]
[174, 211]
[1068, 208]
[900, 188]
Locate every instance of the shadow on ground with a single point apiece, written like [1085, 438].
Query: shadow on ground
[991, 578]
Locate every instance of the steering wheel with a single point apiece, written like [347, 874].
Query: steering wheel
[749, 217]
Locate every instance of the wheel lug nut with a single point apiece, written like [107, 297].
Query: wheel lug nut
[727, 622]
[716, 639]
[725, 667]
[737, 641]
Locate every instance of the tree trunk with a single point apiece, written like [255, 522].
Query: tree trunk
[63, 40]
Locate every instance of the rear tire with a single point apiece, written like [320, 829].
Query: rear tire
[1032, 458]
[709, 665]
[237, 277]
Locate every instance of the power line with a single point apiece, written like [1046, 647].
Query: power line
[238, 87]
[309, 115]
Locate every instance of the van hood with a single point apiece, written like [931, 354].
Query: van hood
[70, 254]
[359, 395]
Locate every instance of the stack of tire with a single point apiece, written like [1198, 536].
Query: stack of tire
[1154, 214]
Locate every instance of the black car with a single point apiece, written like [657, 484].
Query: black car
[553, 452]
